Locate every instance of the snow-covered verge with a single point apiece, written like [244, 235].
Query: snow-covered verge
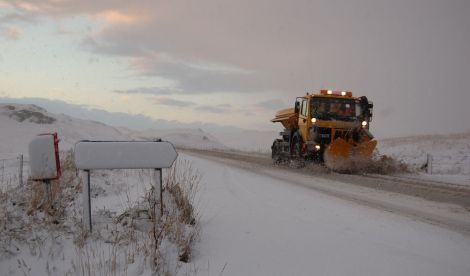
[129, 236]
[450, 153]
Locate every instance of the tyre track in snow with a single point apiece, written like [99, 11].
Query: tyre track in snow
[433, 202]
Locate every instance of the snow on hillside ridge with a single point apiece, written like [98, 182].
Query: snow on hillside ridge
[20, 123]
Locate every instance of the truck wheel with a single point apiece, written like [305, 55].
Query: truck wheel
[296, 146]
[275, 151]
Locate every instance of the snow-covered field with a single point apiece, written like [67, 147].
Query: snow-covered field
[450, 153]
[252, 223]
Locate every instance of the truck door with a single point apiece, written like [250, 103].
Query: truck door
[303, 119]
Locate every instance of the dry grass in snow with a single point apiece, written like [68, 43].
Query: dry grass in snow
[38, 237]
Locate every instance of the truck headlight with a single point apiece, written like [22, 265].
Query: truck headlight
[314, 120]
[364, 123]
[317, 147]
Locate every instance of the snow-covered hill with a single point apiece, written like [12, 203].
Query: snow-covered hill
[20, 123]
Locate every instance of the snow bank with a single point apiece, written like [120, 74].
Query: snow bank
[450, 153]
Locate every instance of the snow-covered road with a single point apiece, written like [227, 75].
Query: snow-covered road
[254, 224]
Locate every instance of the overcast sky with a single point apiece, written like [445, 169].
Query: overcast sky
[237, 62]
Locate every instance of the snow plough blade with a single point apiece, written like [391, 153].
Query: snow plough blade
[365, 149]
[342, 156]
[339, 149]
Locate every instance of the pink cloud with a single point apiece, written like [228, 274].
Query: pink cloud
[12, 33]
[118, 17]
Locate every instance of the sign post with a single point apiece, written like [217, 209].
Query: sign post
[94, 155]
[159, 188]
[20, 171]
[87, 202]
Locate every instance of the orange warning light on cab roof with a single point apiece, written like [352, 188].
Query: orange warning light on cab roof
[336, 93]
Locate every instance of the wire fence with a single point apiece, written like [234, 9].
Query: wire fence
[13, 172]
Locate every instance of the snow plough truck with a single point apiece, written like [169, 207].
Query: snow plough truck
[328, 127]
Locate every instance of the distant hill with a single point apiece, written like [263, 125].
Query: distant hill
[20, 123]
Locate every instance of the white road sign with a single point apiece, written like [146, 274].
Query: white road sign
[92, 155]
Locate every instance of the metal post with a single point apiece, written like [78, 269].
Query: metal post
[429, 163]
[49, 193]
[87, 202]
[161, 193]
[3, 169]
[159, 188]
[20, 173]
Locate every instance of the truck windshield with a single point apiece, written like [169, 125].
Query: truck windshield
[334, 108]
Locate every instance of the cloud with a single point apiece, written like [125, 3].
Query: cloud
[217, 109]
[117, 17]
[149, 90]
[273, 104]
[402, 54]
[173, 102]
[194, 80]
[191, 77]
[23, 17]
[12, 33]
[27, 6]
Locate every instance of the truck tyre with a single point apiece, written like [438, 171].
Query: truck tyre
[296, 146]
[275, 155]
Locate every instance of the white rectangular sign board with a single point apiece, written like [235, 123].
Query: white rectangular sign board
[92, 155]
[42, 157]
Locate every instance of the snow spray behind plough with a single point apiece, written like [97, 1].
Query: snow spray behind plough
[331, 127]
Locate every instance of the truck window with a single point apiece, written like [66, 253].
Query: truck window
[334, 108]
[304, 108]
